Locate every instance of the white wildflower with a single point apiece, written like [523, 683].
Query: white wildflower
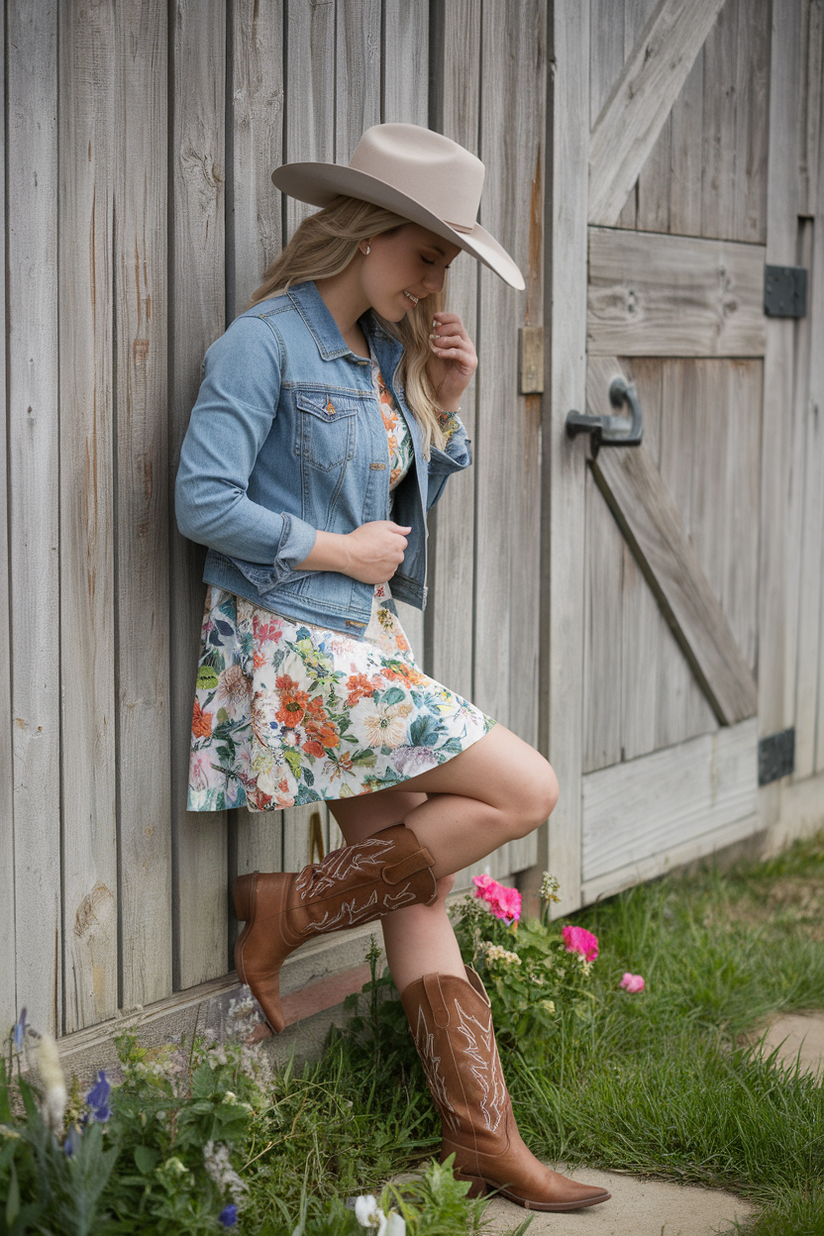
[496, 952]
[174, 1165]
[53, 1107]
[217, 1164]
[549, 888]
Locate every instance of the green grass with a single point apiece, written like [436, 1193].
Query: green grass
[672, 1082]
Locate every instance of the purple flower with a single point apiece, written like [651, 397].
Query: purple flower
[72, 1141]
[97, 1100]
[19, 1031]
[228, 1216]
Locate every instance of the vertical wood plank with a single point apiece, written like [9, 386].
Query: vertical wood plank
[449, 641]
[564, 471]
[654, 185]
[309, 131]
[606, 53]
[33, 502]
[603, 617]
[509, 426]
[144, 798]
[811, 115]
[87, 637]
[8, 983]
[404, 63]
[718, 185]
[687, 120]
[255, 234]
[750, 137]
[256, 142]
[776, 679]
[357, 73]
[198, 43]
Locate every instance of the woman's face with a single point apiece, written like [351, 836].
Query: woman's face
[402, 267]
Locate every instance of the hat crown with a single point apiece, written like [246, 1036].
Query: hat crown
[432, 169]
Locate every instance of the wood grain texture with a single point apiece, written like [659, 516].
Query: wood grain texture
[604, 627]
[255, 215]
[87, 516]
[751, 127]
[198, 280]
[776, 678]
[144, 790]
[449, 641]
[649, 519]
[718, 182]
[648, 806]
[8, 978]
[654, 865]
[508, 431]
[682, 709]
[637, 109]
[309, 92]
[652, 295]
[811, 111]
[32, 378]
[684, 184]
[357, 74]
[564, 472]
[404, 63]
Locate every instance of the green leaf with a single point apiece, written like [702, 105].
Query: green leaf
[206, 678]
[394, 695]
[146, 1158]
[13, 1199]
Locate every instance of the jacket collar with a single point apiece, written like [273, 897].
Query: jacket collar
[324, 329]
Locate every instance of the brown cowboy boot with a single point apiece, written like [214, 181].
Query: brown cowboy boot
[356, 884]
[451, 1024]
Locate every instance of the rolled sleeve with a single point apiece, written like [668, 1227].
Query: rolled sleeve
[456, 456]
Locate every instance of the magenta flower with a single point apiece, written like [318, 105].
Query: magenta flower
[505, 903]
[632, 982]
[579, 940]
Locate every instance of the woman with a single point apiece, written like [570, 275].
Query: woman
[326, 426]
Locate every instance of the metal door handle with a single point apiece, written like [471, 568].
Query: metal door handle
[611, 430]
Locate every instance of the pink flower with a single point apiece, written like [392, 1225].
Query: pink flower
[579, 940]
[632, 982]
[504, 902]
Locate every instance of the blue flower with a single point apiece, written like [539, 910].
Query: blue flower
[97, 1100]
[19, 1031]
[228, 1216]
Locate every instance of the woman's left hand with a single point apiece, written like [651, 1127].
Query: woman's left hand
[453, 360]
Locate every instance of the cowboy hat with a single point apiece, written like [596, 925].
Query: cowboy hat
[421, 175]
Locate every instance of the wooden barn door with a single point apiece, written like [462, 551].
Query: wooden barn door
[676, 209]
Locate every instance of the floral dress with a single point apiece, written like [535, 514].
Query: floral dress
[288, 712]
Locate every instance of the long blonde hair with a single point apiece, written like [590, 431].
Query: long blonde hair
[323, 245]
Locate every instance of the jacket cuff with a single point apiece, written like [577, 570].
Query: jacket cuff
[297, 541]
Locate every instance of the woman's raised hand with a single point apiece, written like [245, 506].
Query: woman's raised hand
[453, 360]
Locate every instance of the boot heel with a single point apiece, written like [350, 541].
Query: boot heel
[243, 895]
[477, 1186]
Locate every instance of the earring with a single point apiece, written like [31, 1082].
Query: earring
[368, 250]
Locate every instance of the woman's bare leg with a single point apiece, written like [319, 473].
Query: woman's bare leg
[498, 789]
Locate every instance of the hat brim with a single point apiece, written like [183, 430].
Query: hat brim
[320, 183]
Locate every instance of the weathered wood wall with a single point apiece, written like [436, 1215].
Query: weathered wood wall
[141, 141]
[139, 217]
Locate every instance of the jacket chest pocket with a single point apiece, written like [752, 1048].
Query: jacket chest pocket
[327, 428]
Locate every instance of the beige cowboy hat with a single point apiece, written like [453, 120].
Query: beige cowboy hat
[421, 175]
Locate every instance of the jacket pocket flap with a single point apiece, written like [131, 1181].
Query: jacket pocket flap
[327, 405]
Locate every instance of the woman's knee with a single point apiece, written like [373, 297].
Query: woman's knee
[538, 794]
[444, 886]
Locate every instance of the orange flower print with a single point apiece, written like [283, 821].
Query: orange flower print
[293, 702]
[201, 722]
[400, 670]
[260, 659]
[270, 630]
[360, 687]
[322, 734]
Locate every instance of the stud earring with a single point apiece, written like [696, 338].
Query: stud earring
[367, 251]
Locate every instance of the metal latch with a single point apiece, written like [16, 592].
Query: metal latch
[611, 430]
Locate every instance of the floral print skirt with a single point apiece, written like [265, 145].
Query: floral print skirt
[288, 713]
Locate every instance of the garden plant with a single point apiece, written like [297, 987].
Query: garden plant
[631, 1040]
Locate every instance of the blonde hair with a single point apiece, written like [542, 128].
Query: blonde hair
[323, 245]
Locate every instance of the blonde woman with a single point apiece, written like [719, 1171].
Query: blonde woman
[326, 427]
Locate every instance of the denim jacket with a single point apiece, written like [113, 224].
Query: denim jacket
[286, 437]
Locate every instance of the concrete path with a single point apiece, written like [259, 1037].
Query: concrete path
[637, 1208]
[657, 1208]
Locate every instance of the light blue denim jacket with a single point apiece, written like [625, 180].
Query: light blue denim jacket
[286, 438]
